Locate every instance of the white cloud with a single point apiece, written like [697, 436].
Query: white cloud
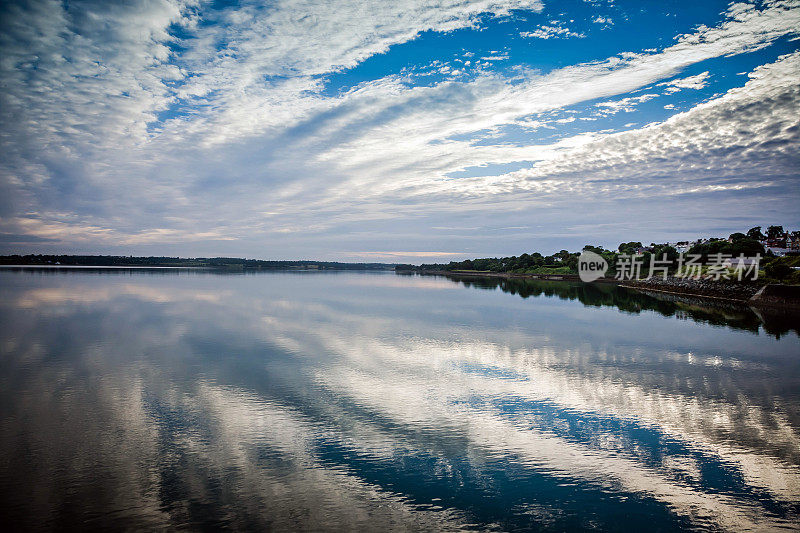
[82, 76]
[751, 129]
[554, 31]
[496, 57]
[626, 104]
[599, 19]
[696, 82]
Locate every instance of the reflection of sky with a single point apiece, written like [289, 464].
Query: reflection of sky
[298, 400]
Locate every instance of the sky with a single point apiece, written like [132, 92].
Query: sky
[404, 131]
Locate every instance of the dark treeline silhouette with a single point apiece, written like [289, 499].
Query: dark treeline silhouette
[214, 262]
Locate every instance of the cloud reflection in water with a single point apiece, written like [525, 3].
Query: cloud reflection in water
[345, 400]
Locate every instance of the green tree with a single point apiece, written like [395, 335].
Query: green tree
[778, 270]
[595, 249]
[775, 232]
[747, 247]
[629, 247]
[755, 234]
[659, 250]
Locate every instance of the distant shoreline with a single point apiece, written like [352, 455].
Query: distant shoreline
[220, 269]
[106, 267]
[216, 263]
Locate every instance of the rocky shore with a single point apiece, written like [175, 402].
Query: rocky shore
[783, 296]
[723, 289]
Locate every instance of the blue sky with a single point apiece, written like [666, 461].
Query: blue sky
[404, 131]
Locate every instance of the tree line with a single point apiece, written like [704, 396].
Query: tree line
[748, 244]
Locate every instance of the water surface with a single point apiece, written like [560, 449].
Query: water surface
[180, 399]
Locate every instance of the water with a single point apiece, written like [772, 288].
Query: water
[330, 401]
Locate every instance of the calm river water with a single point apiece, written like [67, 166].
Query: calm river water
[329, 401]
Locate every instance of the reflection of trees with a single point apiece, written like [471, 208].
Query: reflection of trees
[729, 314]
[778, 322]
